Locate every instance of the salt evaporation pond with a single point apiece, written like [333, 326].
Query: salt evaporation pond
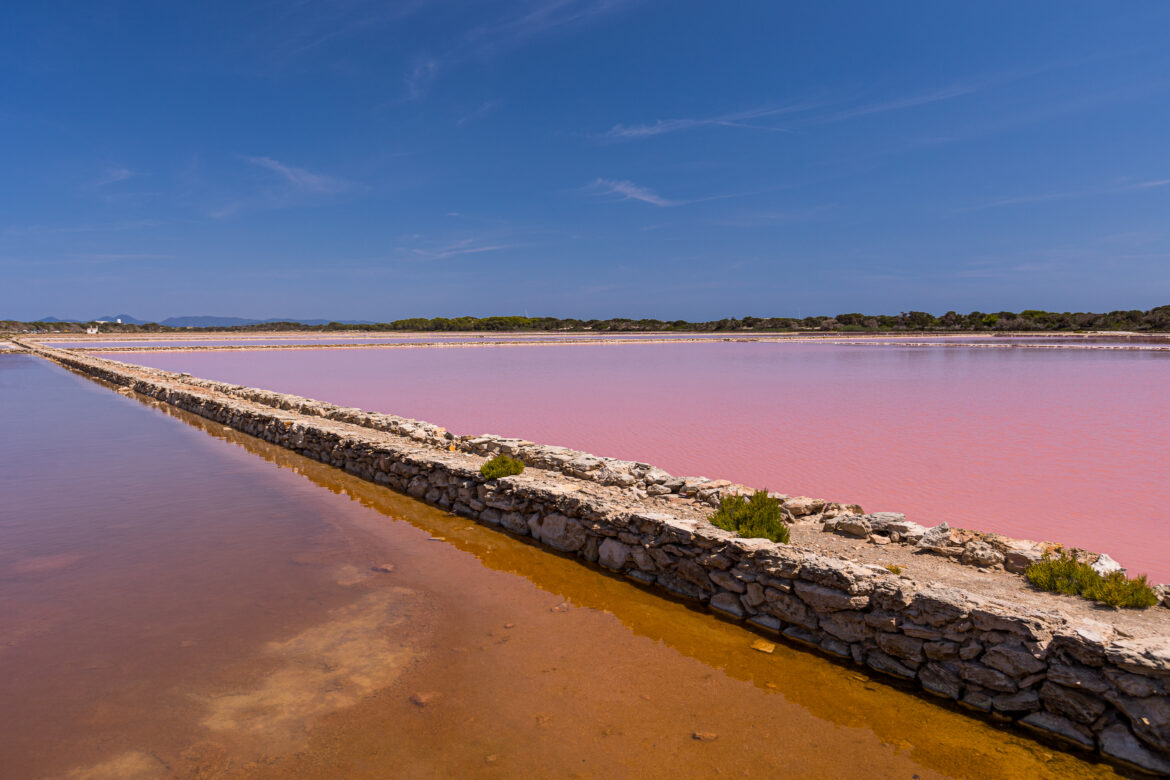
[1067, 445]
[422, 339]
[182, 600]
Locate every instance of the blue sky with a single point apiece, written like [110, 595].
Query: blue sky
[675, 159]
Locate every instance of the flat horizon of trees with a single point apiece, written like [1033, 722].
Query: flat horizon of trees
[1157, 319]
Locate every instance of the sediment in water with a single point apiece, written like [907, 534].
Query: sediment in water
[1066, 676]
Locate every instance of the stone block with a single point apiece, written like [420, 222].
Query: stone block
[1071, 704]
[1012, 660]
[1051, 725]
[727, 604]
[825, 599]
[612, 554]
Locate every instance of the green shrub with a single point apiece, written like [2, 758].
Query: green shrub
[758, 517]
[1064, 575]
[1071, 577]
[501, 466]
[1117, 590]
[894, 568]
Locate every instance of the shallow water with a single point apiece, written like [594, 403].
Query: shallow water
[183, 604]
[1044, 444]
[1148, 342]
[426, 338]
[269, 342]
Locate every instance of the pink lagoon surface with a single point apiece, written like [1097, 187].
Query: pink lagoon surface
[436, 338]
[1065, 445]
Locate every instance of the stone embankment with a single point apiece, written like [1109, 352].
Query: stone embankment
[1086, 682]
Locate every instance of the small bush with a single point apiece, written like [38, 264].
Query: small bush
[758, 517]
[1064, 575]
[1117, 590]
[894, 568]
[501, 466]
[1071, 577]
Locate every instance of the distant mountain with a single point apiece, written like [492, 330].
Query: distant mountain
[125, 318]
[320, 322]
[209, 321]
[206, 321]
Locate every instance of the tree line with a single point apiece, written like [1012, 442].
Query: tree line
[1157, 319]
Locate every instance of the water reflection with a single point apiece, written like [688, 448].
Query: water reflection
[948, 741]
[176, 606]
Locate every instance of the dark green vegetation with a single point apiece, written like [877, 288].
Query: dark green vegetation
[1157, 319]
[501, 466]
[1072, 577]
[758, 517]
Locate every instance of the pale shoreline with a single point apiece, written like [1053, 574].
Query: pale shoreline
[126, 343]
[367, 334]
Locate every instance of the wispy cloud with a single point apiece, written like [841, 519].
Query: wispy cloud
[541, 18]
[621, 189]
[534, 21]
[295, 30]
[419, 78]
[302, 179]
[1144, 185]
[898, 104]
[113, 175]
[347, 26]
[741, 119]
[226, 210]
[467, 246]
[627, 190]
[485, 108]
[285, 186]
[1089, 255]
[803, 115]
[1026, 200]
[1037, 112]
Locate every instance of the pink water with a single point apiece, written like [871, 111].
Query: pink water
[81, 343]
[1070, 446]
[1143, 341]
[423, 338]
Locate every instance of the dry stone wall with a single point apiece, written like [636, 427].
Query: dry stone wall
[1075, 680]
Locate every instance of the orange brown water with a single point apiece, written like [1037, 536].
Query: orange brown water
[178, 604]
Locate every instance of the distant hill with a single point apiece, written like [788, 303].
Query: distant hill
[209, 321]
[1133, 322]
[125, 318]
[205, 321]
